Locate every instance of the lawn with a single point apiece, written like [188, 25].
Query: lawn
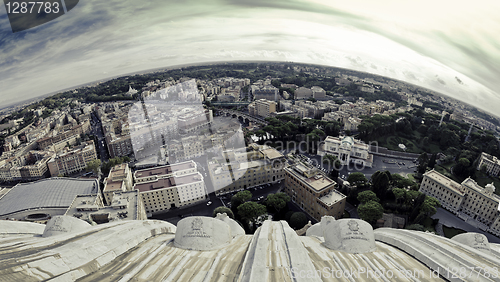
[450, 232]
[391, 142]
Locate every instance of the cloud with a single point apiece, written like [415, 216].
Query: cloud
[117, 37]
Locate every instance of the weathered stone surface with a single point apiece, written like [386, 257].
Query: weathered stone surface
[236, 229]
[474, 240]
[353, 236]
[62, 224]
[19, 227]
[315, 230]
[202, 233]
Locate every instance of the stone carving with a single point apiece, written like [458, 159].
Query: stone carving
[62, 224]
[197, 229]
[474, 240]
[202, 233]
[349, 235]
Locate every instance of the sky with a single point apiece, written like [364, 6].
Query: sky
[451, 47]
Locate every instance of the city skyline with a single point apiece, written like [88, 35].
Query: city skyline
[410, 42]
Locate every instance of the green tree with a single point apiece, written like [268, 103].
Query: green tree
[432, 161]
[370, 211]
[380, 182]
[422, 162]
[429, 206]
[240, 198]
[277, 201]
[251, 210]
[399, 194]
[357, 178]
[298, 220]
[93, 166]
[225, 210]
[366, 196]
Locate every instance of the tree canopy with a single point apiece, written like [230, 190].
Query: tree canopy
[221, 210]
[367, 196]
[370, 211]
[251, 210]
[277, 201]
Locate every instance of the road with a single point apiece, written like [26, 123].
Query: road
[96, 129]
[399, 166]
[202, 209]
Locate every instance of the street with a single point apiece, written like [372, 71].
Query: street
[174, 215]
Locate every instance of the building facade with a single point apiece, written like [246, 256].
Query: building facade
[347, 150]
[244, 169]
[72, 161]
[119, 179]
[491, 163]
[262, 108]
[477, 205]
[313, 191]
[172, 192]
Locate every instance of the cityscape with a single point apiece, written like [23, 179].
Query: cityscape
[245, 169]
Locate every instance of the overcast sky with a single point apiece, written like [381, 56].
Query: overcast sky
[452, 47]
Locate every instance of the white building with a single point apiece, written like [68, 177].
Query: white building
[477, 205]
[347, 150]
[492, 164]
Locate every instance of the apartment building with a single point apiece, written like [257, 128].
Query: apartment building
[155, 173]
[172, 192]
[313, 191]
[250, 167]
[262, 108]
[477, 205]
[72, 160]
[64, 135]
[28, 167]
[119, 179]
[491, 163]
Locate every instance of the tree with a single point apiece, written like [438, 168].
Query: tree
[93, 166]
[240, 198]
[356, 178]
[277, 201]
[251, 210]
[380, 182]
[225, 210]
[432, 161]
[422, 162]
[370, 211]
[399, 194]
[367, 196]
[298, 220]
[429, 206]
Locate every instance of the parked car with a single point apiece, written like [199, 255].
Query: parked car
[209, 203]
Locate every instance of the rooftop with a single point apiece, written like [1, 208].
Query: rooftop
[123, 207]
[443, 180]
[272, 153]
[164, 170]
[310, 176]
[332, 198]
[47, 193]
[168, 182]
